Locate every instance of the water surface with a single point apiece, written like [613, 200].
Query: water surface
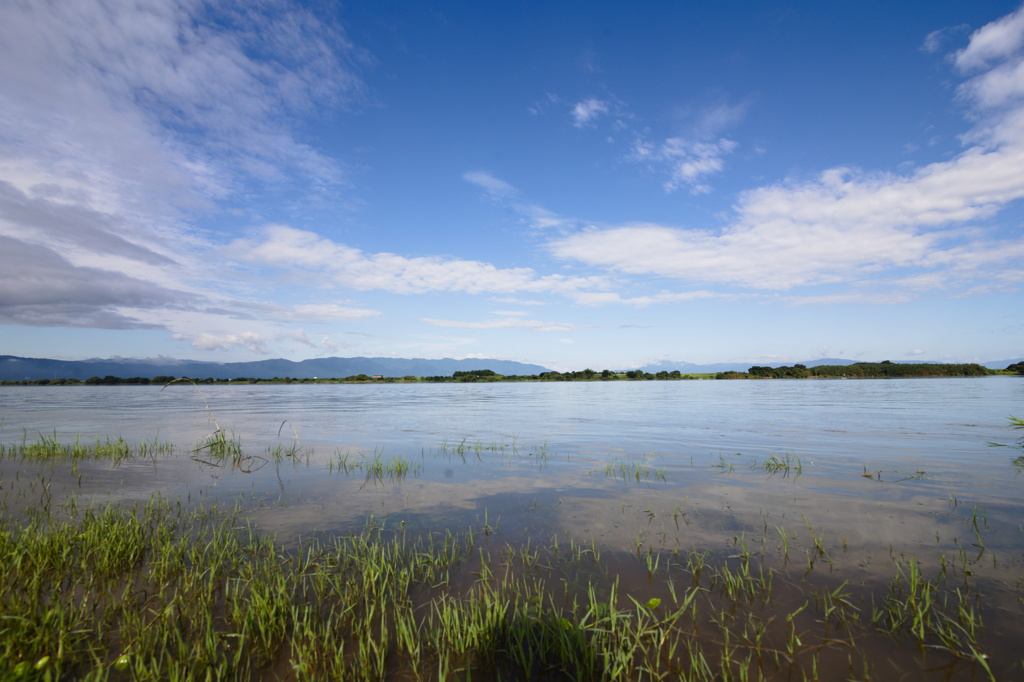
[877, 470]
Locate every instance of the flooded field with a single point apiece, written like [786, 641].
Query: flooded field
[640, 530]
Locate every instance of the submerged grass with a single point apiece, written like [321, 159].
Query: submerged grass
[375, 467]
[774, 464]
[785, 465]
[632, 470]
[170, 591]
[52, 449]
[166, 591]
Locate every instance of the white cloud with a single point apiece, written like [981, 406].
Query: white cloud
[688, 162]
[690, 159]
[204, 341]
[39, 287]
[496, 187]
[125, 116]
[587, 111]
[503, 323]
[994, 41]
[843, 226]
[518, 301]
[710, 121]
[848, 225]
[287, 248]
[499, 190]
[97, 87]
[308, 312]
[936, 40]
[872, 298]
[997, 87]
[301, 336]
[607, 298]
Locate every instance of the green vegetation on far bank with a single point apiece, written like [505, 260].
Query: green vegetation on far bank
[859, 370]
[862, 370]
[473, 376]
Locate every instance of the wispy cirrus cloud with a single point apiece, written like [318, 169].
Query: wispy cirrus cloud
[494, 186]
[598, 298]
[501, 191]
[128, 117]
[309, 312]
[503, 323]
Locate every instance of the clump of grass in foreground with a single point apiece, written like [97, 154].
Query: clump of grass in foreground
[785, 465]
[633, 470]
[1015, 423]
[375, 467]
[165, 591]
[51, 449]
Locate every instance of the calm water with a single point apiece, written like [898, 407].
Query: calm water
[700, 441]
[881, 470]
[943, 418]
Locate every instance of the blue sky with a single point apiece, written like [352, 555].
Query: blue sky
[571, 184]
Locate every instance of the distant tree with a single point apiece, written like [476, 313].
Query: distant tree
[473, 375]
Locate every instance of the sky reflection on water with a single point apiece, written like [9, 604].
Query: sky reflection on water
[551, 457]
[874, 471]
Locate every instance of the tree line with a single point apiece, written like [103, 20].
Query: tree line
[885, 369]
[486, 375]
[864, 370]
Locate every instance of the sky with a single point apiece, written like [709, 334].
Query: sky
[570, 184]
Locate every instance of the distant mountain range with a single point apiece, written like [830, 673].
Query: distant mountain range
[14, 368]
